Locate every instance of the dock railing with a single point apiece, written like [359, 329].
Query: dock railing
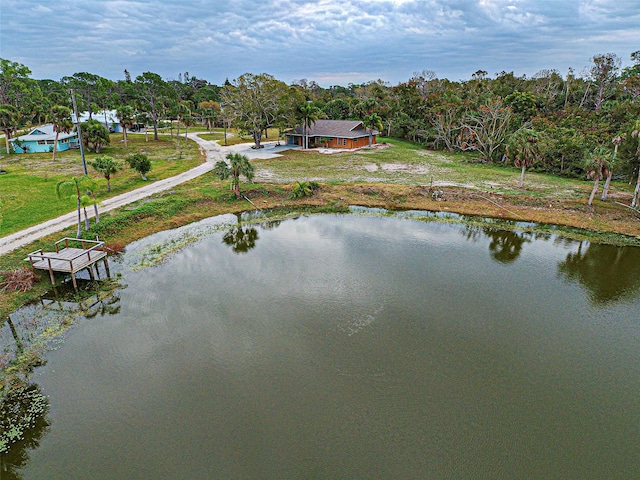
[69, 258]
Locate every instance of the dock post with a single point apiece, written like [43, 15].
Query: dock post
[106, 267]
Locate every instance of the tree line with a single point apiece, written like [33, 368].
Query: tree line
[569, 125]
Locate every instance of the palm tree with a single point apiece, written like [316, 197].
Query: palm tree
[90, 199]
[183, 109]
[126, 116]
[617, 140]
[310, 114]
[73, 188]
[107, 166]
[523, 145]
[188, 121]
[635, 203]
[238, 165]
[372, 122]
[597, 166]
[95, 135]
[143, 117]
[60, 116]
[8, 122]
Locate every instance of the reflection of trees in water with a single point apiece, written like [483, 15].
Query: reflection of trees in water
[608, 273]
[24, 337]
[241, 238]
[505, 245]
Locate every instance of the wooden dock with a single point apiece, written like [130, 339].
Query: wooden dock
[71, 256]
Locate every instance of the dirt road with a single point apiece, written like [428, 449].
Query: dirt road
[213, 152]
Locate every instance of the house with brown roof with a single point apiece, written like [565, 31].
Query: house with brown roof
[333, 134]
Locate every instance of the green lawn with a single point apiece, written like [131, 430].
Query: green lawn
[27, 190]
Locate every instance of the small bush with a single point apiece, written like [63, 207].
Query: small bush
[304, 189]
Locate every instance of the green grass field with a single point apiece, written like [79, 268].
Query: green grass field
[28, 189]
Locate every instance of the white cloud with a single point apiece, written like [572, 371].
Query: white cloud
[328, 38]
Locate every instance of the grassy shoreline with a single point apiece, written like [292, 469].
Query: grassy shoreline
[206, 197]
[394, 175]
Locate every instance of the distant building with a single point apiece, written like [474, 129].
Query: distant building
[333, 134]
[42, 139]
[107, 117]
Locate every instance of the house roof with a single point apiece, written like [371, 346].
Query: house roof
[334, 128]
[44, 132]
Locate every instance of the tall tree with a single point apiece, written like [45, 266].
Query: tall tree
[210, 112]
[252, 101]
[239, 165]
[597, 164]
[617, 140]
[337, 109]
[486, 130]
[182, 110]
[309, 115]
[152, 94]
[14, 82]
[88, 88]
[635, 203]
[8, 122]
[61, 119]
[372, 122]
[188, 121]
[603, 73]
[126, 117]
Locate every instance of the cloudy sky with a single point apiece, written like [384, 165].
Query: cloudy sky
[334, 42]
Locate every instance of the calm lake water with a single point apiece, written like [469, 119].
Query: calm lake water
[352, 347]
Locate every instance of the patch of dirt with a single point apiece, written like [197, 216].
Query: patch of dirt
[431, 154]
[404, 168]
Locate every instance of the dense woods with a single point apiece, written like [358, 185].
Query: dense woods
[549, 122]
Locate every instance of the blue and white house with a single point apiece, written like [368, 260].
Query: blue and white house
[42, 139]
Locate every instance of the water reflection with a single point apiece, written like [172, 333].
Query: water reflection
[608, 273]
[370, 348]
[505, 245]
[243, 237]
[240, 238]
[24, 338]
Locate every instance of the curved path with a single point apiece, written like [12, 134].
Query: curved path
[213, 153]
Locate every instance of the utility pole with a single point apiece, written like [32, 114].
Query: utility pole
[77, 122]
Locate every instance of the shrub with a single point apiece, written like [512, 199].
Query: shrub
[140, 163]
[304, 189]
